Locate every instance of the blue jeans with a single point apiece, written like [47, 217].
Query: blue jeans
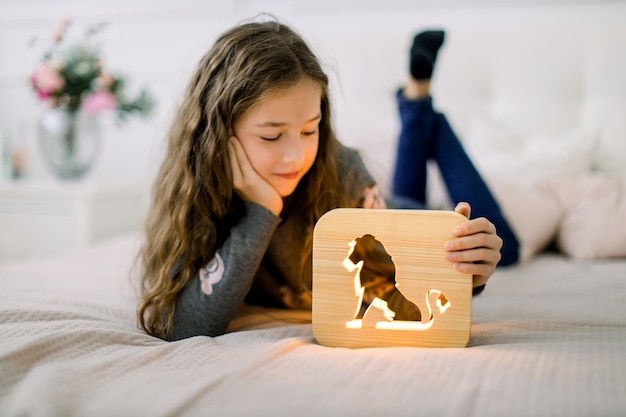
[425, 135]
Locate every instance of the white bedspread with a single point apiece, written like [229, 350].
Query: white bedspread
[548, 339]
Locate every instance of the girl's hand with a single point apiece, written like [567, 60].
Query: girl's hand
[248, 183]
[372, 198]
[476, 248]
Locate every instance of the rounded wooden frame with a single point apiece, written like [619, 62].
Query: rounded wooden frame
[415, 241]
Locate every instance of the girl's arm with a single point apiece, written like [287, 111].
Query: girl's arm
[208, 303]
[212, 298]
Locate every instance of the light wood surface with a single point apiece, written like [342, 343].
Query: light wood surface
[415, 241]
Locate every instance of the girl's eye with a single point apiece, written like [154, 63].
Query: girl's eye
[309, 133]
[271, 139]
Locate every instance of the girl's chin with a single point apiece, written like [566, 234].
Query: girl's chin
[286, 193]
[285, 190]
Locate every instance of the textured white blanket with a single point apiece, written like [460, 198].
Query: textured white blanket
[548, 339]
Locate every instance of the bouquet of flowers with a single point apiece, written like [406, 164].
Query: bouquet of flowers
[72, 77]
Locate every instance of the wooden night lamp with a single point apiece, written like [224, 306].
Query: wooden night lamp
[380, 278]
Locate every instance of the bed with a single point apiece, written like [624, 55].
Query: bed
[548, 336]
[547, 339]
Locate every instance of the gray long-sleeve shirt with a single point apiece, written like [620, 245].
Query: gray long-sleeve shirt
[265, 258]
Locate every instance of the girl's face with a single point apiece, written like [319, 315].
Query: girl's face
[281, 136]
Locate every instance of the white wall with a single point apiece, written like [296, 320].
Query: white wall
[157, 43]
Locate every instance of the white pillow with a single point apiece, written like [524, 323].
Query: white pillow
[499, 152]
[594, 211]
[533, 214]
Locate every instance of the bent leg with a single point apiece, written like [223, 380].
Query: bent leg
[414, 148]
[464, 183]
[426, 134]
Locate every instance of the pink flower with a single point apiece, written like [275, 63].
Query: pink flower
[46, 81]
[98, 101]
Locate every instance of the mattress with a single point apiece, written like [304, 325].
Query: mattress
[547, 339]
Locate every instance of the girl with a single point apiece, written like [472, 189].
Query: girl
[252, 163]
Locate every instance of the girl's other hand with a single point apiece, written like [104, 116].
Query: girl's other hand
[248, 183]
[475, 248]
[372, 198]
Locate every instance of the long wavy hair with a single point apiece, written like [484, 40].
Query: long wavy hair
[193, 201]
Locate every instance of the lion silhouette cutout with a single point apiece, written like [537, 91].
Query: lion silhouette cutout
[375, 285]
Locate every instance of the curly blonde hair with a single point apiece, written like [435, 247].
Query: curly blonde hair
[193, 201]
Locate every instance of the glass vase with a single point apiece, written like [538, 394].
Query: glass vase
[69, 141]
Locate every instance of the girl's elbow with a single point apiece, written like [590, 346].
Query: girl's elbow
[180, 332]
